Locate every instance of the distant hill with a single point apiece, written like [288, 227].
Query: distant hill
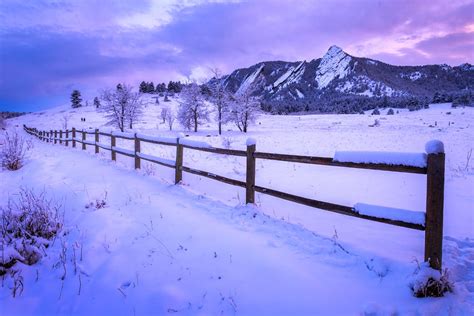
[341, 83]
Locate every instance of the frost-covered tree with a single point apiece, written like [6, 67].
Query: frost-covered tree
[76, 99]
[122, 106]
[164, 113]
[244, 109]
[220, 98]
[192, 110]
[170, 118]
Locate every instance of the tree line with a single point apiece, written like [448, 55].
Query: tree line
[149, 87]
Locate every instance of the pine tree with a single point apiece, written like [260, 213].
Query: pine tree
[76, 99]
[96, 102]
[143, 87]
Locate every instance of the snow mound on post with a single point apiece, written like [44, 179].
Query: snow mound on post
[389, 158]
[434, 147]
[251, 141]
[194, 143]
[395, 214]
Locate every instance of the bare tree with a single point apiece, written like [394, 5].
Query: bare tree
[65, 121]
[170, 118]
[220, 98]
[245, 109]
[122, 106]
[164, 113]
[192, 110]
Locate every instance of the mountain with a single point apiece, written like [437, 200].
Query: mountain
[339, 82]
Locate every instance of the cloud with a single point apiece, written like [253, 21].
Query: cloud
[48, 48]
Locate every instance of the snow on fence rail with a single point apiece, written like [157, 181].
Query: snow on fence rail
[431, 163]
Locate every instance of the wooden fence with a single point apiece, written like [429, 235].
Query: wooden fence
[434, 170]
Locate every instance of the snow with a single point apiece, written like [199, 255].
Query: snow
[397, 214]
[251, 141]
[300, 95]
[250, 79]
[413, 76]
[105, 146]
[168, 140]
[123, 150]
[124, 134]
[194, 143]
[195, 248]
[334, 64]
[293, 74]
[434, 147]
[390, 158]
[162, 160]
[355, 84]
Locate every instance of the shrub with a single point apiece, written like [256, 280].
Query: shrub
[13, 151]
[3, 124]
[428, 282]
[27, 226]
[376, 112]
[390, 112]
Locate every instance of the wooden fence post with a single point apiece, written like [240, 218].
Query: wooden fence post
[55, 136]
[46, 136]
[41, 135]
[96, 141]
[250, 181]
[74, 137]
[51, 135]
[61, 136]
[178, 173]
[112, 145]
[137, 151]
[83, 140]
[67, 138]
[434, 209]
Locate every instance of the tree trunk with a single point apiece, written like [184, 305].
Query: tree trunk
[220, 120]
[195, 121]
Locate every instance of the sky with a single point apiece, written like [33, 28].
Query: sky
[49, 48]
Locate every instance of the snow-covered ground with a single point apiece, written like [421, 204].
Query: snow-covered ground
[195, 248]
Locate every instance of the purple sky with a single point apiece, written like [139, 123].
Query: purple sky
[48, 48]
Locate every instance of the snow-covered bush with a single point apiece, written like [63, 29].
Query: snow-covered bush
[13, 151]
[98, 203]
[428, 282]
[227, 142]
[28, 225]
[375, 112]
[390, 112]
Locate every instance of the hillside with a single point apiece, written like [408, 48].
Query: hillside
[339, 82]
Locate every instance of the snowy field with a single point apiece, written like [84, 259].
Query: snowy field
[196, 249]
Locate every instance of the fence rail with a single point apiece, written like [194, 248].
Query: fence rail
[435, 168]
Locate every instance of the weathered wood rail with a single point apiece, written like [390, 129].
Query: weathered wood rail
[434, 171]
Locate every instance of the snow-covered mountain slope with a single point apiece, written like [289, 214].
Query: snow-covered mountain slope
[309, 85]
[334, 65]
[193, 249]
